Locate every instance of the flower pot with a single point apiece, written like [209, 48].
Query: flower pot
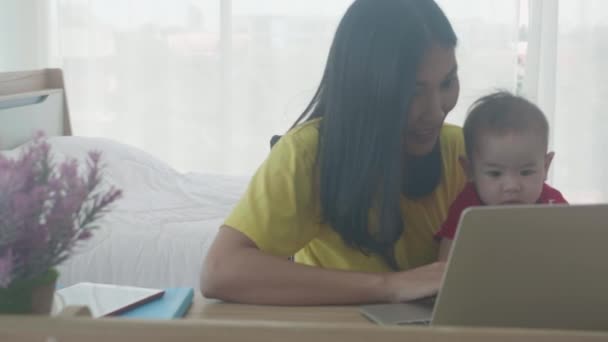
[29, 296]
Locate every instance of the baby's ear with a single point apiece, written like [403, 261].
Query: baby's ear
[548, 159]
[466, 166]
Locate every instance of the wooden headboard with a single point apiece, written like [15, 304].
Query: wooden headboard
[32, 101]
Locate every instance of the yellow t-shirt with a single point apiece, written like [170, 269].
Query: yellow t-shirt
[280, 211]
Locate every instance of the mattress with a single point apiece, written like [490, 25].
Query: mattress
[158, 234]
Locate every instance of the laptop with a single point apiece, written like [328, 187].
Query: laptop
[531, 266]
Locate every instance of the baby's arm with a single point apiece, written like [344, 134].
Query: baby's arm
[447, 231]
[445, 245]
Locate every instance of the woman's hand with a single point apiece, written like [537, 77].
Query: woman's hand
[416, 283]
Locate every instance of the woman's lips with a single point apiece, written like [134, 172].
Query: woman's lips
[424, 135]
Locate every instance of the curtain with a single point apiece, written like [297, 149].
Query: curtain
[201, 84]
[204, 84]
[580, 85]
[566, 74]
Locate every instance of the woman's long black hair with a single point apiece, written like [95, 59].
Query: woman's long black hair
[363, 98]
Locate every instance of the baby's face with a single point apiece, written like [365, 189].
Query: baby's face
[509, 169]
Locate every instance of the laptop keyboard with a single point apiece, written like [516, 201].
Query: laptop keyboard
[423, 322]
[426, 301]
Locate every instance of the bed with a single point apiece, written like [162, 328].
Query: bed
[159, 232]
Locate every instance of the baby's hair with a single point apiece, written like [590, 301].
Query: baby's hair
[502, 113]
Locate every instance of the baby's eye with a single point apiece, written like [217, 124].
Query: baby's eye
[528, 172]
[493, 174]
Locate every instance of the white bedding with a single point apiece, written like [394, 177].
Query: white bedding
[159, 232]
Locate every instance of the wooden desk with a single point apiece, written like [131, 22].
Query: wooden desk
[207, 309]
[37, 329]
[219, 322]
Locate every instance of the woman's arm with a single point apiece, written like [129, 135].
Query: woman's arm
[236, 270]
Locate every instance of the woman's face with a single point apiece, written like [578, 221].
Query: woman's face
[437, 89]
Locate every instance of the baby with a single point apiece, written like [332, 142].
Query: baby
[506, 141]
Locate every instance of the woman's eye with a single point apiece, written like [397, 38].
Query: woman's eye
[528, 172]
[447, 83]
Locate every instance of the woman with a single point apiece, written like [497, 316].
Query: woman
[357, 191]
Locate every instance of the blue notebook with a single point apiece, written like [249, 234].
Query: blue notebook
[173, 304]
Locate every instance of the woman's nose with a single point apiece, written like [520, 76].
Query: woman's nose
[434, 107]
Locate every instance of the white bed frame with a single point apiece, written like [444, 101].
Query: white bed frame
[30, 102]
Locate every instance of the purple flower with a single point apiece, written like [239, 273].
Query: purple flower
[85, 235]
[46, 208]
[6, 268]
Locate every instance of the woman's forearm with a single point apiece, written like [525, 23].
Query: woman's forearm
[236, 270]
[249, 276]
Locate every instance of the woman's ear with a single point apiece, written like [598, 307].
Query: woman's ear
[548, 159]
[466, 166]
